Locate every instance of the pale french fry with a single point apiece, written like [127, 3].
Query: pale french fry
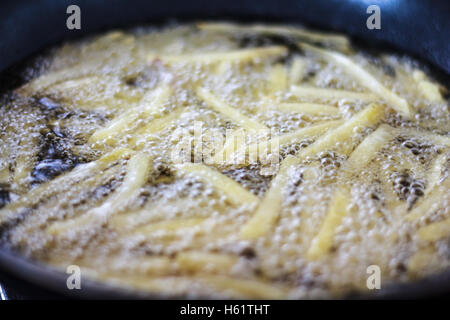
[278, 79]
[421, 260]
[368, 117]
[331, 94]
[168, 226]
[359, 158]
[427, 88]
[238, 56]
[52, 187]
[270, 206]
[366, 150]
[235, 193]
[260, 150]
[154, 126]
[430, 201]
[308, 108]
[197, 261]
[338, 41]
[435, 231]
[150, 104]
[244, 287]
[138, 168]
[323, 242]
[221, 107]
[296, 73]
[365, 78]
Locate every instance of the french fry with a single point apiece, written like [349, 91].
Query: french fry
[260, 150]
[138, 168]
[278, 79]
[365, 78]
[308, 108]
[221, 107]
[322, 243]
[154, 126]
[235, 193]
[359, 158]
[337, 41]
[168, 226]
[331, 94]
[197, 261]
[270, 206]
[296, 73]
[52, 187]
[149, 105]
[237, 56]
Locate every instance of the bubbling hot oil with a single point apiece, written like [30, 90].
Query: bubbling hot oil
[46, 128]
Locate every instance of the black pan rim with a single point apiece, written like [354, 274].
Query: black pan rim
[50, 278]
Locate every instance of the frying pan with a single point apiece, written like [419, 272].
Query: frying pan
[417, 27]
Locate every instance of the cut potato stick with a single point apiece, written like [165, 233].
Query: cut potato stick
[331, 94]
[52, 187]
[425, 135]
[431, 201]
[308, 108]
[337, 41]
[238, 56]
[150, 104]
[270, 206]
[367, 149]
[278, 79]
[259, 151]
[359, 158]
[197, 261]
[168, 226]
[427, 88]
[435, 231]
[235, 193]
[420, 261]
[244, 287]
[323, 242]
[237, 288]
[138, 168]
[370, 116]
[364, 77]
[221, 107]
[147, 132]
[297, 70]
[4, 174]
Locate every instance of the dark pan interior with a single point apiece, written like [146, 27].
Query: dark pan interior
[417, 27]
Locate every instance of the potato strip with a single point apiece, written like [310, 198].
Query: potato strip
[221, 107]
[335, 40]
[323, 242]
[331, 94]
[138, 168]
[259, 151]
[52, 187]
[308, 108]
[365, 78]
[150, 105]
[239, 56]
[359, 158]
[235, 193]
[270, 206]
